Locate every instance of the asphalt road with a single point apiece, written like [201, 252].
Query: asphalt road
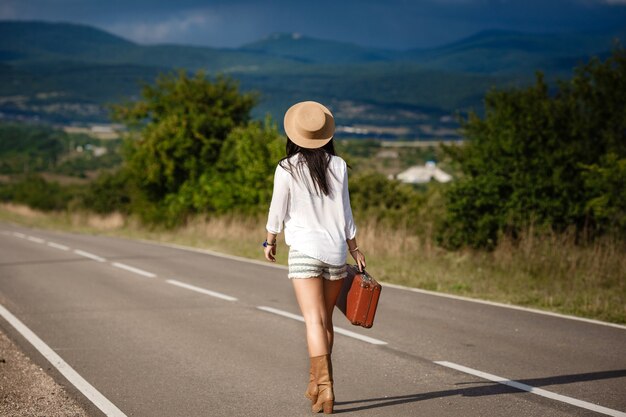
[122, 314]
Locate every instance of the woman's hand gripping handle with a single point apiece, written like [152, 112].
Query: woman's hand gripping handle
[356, 254]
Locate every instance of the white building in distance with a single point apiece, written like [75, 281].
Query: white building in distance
[424, 174]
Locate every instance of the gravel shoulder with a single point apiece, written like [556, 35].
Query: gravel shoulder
[27, 390]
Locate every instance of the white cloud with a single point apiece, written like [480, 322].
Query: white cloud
[176, 27]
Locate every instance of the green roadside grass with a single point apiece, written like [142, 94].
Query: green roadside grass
[548, 273]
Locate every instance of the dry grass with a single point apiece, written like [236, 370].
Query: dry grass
[548, 272]
[22, 211]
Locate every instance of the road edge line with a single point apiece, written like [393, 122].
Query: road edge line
[81, 384]
[502, 305]
[533, 390]
[212, 253]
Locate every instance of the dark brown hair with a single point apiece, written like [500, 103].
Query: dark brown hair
[317, 160]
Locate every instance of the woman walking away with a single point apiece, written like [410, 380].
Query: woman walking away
[311, 198]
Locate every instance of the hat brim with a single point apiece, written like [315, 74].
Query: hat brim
[321, 138]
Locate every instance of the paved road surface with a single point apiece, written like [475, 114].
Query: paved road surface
[133, 319]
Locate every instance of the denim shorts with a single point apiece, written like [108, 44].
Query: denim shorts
[303, 266]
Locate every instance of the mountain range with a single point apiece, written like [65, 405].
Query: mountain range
[63, 73]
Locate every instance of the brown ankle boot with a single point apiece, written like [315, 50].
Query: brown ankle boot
[311, 389]
[322, 372]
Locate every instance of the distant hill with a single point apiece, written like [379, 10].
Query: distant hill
[22, 41]
[64, 72]
[497, 51]
[306, 49]
[489, 52]
[34, 43]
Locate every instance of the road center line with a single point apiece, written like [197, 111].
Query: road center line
[339, 330]
[20, 235]
[35, 239]
[133, 269]
[99, 400]
[58, 246]
[201, 290]
[533, 390]
[89, 255]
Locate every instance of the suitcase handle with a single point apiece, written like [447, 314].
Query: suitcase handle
[366, 276]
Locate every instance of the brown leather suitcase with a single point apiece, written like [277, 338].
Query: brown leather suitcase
[358, 298]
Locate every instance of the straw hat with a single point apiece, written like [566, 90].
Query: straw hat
[309, 124]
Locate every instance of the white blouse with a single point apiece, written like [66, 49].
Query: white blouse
[316, 225]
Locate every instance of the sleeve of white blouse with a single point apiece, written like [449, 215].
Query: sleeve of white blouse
[280, 202]
[347, 209]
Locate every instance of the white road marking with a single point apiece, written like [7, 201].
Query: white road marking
[201, 290]
[355, 335]
[339, 330]
[99, 400]
[502, 305]
[133, 269]
[108, 408]
[386, 284]
[533, 390]
[89, 255]
[58, 246]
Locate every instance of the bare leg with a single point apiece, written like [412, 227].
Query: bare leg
[316, 297]
[331, 292]
[310, 296]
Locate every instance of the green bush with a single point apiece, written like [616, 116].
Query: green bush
[606, 182]
[373, 196]
[36, 192]
[110, 192]
[536, 159]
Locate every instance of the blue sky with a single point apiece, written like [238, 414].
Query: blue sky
[397, 24]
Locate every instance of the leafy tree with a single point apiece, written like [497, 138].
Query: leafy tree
[193, 149]
[537, 158]
[179, 127]
[242, 178]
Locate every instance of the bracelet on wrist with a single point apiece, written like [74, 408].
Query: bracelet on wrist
[266, 243]
[355, 249]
